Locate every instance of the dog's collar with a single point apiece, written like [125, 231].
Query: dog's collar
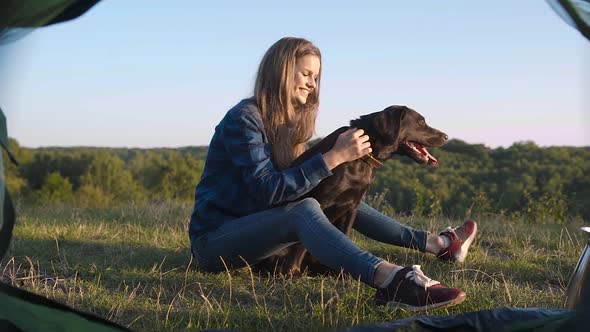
[371, 160]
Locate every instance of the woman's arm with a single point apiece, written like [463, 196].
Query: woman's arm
[243, 139]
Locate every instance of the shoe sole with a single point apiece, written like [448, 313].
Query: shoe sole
[465, 246]
[393, 304]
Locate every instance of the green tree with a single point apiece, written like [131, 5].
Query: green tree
[167, 176]
[107, 173]
[56, 188]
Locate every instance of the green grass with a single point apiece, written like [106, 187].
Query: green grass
[132, 265]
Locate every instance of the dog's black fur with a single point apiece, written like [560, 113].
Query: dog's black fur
[391, 131]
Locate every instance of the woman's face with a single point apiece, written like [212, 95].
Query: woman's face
[307, 69]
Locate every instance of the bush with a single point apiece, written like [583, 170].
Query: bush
[56, 188]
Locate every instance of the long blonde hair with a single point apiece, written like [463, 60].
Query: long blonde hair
[287, 126]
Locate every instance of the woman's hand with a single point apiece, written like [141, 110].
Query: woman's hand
[349, 146]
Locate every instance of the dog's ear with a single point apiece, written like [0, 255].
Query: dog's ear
[387, 125]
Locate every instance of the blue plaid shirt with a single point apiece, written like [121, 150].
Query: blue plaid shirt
[239, 177]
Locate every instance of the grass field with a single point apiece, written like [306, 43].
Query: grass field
[132, 265]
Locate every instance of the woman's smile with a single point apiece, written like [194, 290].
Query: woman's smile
[307, 69]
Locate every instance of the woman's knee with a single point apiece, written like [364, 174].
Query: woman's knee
[305, 211]
[305, 205]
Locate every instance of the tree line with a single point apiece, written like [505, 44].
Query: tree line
[523, 180]
[103, 177]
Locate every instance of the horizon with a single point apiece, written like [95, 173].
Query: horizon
[206, 146]
[123, 71]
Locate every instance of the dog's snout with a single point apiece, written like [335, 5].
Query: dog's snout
[446, 137]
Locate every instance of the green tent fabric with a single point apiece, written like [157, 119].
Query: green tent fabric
[575, 13]
[4, 141]
[18, 17]
[502, 319]
[34, 13]
[21, 310]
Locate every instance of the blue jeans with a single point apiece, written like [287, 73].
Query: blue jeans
[257, 236]
[377, 226]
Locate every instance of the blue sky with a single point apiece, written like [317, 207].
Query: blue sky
[147, 73]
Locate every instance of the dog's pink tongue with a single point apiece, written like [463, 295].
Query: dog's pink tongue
[431, 160]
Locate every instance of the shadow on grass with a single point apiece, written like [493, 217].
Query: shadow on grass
[66, 257]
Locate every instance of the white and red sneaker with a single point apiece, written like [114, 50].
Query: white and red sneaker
[461, 239]
[410, 289]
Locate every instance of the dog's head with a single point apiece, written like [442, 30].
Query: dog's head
[401, 130]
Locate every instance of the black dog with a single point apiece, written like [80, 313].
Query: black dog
[395, 130]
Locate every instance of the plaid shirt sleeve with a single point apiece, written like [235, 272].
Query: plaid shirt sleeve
[245, 141]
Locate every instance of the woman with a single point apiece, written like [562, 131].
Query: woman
[248, 206]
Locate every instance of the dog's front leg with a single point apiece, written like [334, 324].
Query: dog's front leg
[293, 259]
